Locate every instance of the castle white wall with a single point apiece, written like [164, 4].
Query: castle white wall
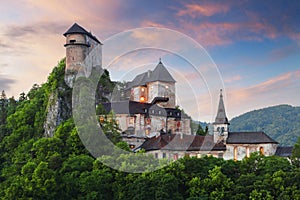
[244, 150]
[174, 155]
[162, 89]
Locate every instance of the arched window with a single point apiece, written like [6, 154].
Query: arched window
[247, 152]
[235, 152]
[148, 120]
[261, 151]
[176, 156]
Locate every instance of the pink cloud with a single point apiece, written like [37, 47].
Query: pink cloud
[253, 28]
[195, 10]
[233, 79]
[272, 85]
[149, 23]
[275, 91]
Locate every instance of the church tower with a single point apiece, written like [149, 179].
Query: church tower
[221, 124]
[79, 44]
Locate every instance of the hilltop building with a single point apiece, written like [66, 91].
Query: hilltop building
[82, 49]
[150, 109]
[148, 117]
[222, 144]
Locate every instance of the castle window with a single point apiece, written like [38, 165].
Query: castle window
[72, 41]
[156, 155]
[147, 131]
[164, 155]
[148, 121]
[235, 152]
[101, 119]
[247, 152]
[261, 151]
[142, 99]
[131, 121]
[176, 156]
[220, 155]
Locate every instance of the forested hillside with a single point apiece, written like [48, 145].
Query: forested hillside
[282, 123]
[33, 166]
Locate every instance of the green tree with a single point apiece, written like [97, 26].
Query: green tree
[96, 184]
[44, 185]
[3, 108]
[100, 110]
[217, 185]
[200, 130]
[70, 173]
[22, 97]
[111, 128]
[296, 154]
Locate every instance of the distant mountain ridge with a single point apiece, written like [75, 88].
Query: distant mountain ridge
[281, 122]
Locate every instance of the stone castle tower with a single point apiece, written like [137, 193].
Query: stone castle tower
[83, 51]
[154, 86]
[221, 124]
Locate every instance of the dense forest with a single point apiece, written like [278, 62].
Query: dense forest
[279, 122]
[34, 166]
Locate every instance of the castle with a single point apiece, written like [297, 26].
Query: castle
[148, 117]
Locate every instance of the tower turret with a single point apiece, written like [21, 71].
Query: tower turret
[221, 124]
[79, 43]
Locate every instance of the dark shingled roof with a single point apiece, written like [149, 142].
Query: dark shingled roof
[284, 151]
[133, 107]
[177, 142]
[160, 73]
[126, 107]
[75, 28]
[221, 114]
[249, 138]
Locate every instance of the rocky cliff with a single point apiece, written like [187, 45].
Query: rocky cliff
[59, 107]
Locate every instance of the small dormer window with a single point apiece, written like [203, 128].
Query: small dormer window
[72, 41]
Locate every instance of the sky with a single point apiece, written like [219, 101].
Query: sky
[251, 48]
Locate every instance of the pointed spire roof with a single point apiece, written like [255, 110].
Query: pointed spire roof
[160, 73]
[221, 114]
[75, 28]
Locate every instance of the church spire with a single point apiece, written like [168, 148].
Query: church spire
[221, 114]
